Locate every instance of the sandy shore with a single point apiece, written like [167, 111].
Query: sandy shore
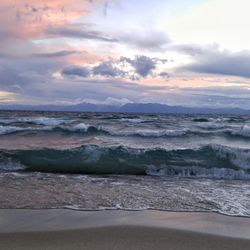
[68, 229]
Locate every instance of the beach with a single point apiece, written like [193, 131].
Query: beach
[69, 229]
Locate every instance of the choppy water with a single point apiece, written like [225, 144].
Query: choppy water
[160, 146]
[196, 146]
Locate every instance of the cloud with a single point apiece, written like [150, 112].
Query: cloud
[70, 89]
[140, 66]
[219, 96]
[80, 32]
[29, 19]
[143, 65]
[212, 60]
[108, 69]
[105, 69]
[107, 101]
[146, 39]
[10, 78]
[62, 53]
[21, 74]
[192, 49]
[149, 40]
[164, 75]
[7, 97]
[76, 71]
[24, 53]
[215, 97]
[27, 83]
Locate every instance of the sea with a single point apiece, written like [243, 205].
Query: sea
[96, 161]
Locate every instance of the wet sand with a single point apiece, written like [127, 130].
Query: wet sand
[68, 229]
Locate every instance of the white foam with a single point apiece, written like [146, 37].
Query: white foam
[10, 165]
[135, 120]
[9, 129]
[238, 156]
[215, 173]
[80, 127]
[149, 133]
[47, 121]
[244, 131]
[12, 129]
[211, 125]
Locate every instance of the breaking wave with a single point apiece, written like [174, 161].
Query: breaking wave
[84, 128]
[213, 161]
[242, 132]
[46, 121]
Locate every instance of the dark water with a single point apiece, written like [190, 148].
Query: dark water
[167, 162]
[166, 145]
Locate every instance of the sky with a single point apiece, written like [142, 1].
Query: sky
[193, 53]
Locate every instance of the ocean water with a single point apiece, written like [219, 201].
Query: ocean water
[208, 156]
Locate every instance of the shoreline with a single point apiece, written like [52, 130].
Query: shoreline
[110, 209]
[84, 192]
[116, 229]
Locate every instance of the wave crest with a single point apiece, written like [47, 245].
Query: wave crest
[208, 161]
[243, 132]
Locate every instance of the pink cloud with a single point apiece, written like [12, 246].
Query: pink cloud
[27, 19]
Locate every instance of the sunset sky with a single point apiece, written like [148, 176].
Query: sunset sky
[176, 52]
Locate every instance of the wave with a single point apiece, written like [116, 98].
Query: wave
[208, 161]
[133, 120]
[8, 129]
[242, 132]
[80, 127]
[149, 133]
[212, 126]
[88, 129]
[46, 121]
[5, 130]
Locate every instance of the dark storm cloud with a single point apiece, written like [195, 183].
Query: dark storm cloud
[107, 69]
[76, 71]
[143, 65]
[211, 60]
[79, 32]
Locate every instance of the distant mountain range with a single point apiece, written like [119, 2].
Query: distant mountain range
[128, 108]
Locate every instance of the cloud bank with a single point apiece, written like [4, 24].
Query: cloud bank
[71, 50]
